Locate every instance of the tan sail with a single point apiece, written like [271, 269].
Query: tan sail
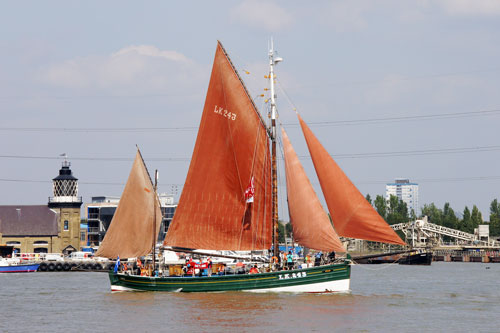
[311, 226]
[351, 213]
[130, 233]
[231, 149]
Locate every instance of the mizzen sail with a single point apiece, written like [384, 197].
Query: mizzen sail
[131, 233]
[310, 223]
[351, 213]
[231, 152]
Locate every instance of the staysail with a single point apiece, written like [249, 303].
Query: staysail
[351, 213]
[310, 223]
[130, 233]
[231, 153]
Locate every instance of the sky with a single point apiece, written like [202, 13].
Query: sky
[393, 89]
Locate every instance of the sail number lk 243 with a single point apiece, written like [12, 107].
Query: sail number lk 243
[225, 113]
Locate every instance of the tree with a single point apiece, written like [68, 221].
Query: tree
[495, 218]
[476, 218]
[369, 198]
[397, 212]
[381, 206]
[434, 214]
[467, 221]
[450, 220]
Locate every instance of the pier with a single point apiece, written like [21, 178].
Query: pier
[56, 262]
[466, 256]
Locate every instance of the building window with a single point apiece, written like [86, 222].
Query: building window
[66, 225]
[83, 236]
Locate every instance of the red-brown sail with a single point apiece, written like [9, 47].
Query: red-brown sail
[231, 148]
[351, 213]
[310, 223]
[130, 233]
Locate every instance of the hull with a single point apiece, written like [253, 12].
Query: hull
[327, 278]
[19, 268]
[380, 260]
[416, 259]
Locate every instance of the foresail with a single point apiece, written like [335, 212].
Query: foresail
[351, 213]
[310, 223]
[130, 233]
[215, 211]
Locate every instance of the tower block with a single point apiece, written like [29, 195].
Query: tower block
[66, 203]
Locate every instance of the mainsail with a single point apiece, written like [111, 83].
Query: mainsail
[351, 213]
[310, 223]
[231, 149]
[131, 233]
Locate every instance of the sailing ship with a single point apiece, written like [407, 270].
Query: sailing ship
[229, 200]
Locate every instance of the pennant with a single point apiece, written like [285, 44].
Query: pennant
[250, 191]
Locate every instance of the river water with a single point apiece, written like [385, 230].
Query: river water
[444, 297]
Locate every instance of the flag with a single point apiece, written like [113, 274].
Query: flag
[117, 265]
[250, 191]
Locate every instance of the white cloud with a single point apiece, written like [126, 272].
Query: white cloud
[471, 7]
[262, 14]
[345, 15]
[133, 69]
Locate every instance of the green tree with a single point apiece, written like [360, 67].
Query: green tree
[434, 214]
[495, 218]
[369, 198]
[476, 217]
[450, 220]
[381, 206]
[466, 224]
[397, 212]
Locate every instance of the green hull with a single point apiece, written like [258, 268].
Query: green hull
[326, 278]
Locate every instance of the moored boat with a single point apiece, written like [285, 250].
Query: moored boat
[10, 265]
[416, 258]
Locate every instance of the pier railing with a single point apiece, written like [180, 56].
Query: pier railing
[442, 231]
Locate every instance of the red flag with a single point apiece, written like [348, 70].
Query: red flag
[250, 191]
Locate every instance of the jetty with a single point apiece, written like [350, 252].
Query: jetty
[57, 262]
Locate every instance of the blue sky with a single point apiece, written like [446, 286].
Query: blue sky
[103, 66]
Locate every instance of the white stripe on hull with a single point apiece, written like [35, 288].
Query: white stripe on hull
[122, 288]
[338, 286]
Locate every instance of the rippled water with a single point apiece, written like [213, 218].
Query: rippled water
[445, 297]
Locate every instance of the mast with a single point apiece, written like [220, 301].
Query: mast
[273, 60]
[154, 221]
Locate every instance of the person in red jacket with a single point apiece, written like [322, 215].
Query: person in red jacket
[254, 270]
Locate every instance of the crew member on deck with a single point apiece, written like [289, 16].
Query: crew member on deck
[221, 269]
[254, 270]
[209, 266]
[289, 260]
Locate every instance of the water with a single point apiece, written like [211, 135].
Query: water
[445, 297]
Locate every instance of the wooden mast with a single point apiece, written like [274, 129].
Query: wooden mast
[155, 187]
[274, 174]
[154, 221]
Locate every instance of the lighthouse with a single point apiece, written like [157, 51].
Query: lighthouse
[66, 203]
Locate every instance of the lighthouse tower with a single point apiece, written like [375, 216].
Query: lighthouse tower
[66, 203]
